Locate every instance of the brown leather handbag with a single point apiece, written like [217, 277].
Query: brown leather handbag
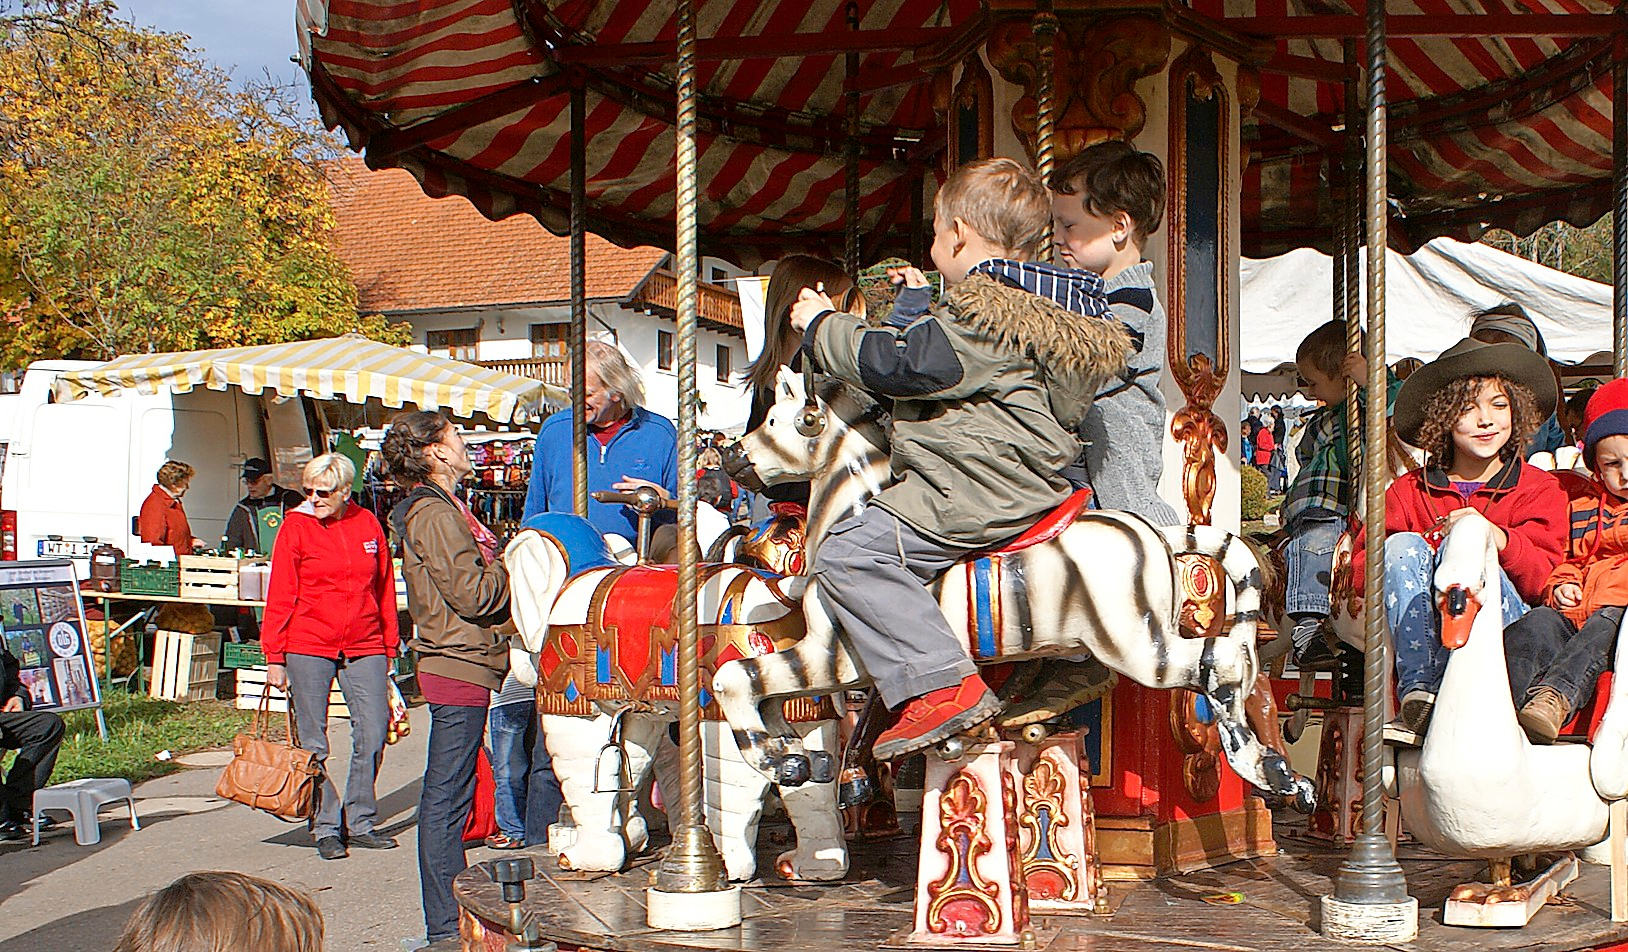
[275, 776]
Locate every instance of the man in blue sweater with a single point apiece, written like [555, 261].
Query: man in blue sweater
[628, 447]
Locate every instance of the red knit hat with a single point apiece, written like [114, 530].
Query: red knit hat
[1606, 415]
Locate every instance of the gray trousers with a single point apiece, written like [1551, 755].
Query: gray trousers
[873, 572]
[365, 684]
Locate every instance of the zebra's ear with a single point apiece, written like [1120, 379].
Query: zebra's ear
[790, 384]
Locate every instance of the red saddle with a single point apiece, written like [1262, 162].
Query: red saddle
[1050, 525]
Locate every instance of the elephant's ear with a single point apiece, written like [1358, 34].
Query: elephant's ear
[536, 574]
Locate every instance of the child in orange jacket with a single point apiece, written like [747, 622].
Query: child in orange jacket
[1556, 652]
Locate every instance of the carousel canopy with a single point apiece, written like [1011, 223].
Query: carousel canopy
[350, 368]
[1497, 118]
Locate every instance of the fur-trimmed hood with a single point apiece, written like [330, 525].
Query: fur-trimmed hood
[1064, 342]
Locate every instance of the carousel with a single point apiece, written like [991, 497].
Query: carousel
[1167, 813]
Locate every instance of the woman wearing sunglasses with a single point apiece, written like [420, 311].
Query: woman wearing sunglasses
[331, 612]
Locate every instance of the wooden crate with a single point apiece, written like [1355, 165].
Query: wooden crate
[209, 577]
[251, 686]
[185, 666]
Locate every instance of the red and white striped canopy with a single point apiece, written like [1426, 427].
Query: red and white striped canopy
[1506, 122]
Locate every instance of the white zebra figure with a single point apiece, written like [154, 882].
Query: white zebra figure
[1107, 586]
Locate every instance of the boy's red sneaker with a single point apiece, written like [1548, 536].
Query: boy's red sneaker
[937, 715]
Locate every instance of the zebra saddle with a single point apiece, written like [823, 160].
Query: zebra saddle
[1050, 526]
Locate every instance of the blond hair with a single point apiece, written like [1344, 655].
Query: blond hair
[173, 473]
[1005, 203]
[615, 374]
[329, 471]
[224, 912]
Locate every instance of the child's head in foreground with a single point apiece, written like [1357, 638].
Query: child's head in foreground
[992, 208]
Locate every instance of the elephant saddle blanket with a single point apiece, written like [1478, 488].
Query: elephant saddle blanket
[613, 636]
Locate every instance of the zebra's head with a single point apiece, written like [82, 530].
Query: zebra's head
[807, 434]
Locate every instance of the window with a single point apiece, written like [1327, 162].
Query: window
[459, 344]
[664, 350]
[725, 361]
[550, 343]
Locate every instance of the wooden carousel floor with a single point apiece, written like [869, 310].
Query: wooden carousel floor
[1263, 905]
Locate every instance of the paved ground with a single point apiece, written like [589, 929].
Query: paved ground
[62, 897]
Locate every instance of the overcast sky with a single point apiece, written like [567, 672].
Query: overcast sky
[243, 37]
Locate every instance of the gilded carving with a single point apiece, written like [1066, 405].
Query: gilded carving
[1097, 62]
[1199, 374]
[963, 903]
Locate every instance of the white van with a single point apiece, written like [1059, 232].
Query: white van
[76, 472]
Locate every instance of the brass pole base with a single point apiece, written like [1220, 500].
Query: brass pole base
[692, 863]
[692, 892]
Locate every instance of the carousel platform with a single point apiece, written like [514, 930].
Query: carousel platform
[1261, 905]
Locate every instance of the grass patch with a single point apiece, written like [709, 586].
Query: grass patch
[138, 727]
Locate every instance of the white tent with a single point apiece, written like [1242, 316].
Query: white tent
[1428, 299]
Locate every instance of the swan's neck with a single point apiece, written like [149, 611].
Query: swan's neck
[1474, 700]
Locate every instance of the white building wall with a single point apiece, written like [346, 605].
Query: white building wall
[505, 334]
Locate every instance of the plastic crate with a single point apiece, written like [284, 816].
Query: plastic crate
[244, 654]
[149, 578]
[185, 666]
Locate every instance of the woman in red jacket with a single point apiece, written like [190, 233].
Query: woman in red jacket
[1471, 410]
[331, 611]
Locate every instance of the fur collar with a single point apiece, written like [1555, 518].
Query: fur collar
[1065, 342]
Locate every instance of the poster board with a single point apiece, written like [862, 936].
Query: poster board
[43, 622]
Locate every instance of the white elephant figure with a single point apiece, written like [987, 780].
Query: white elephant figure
[596, 636]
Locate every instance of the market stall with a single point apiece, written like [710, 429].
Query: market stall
[369, 380]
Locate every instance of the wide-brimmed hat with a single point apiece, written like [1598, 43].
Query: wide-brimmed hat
[1471, 358]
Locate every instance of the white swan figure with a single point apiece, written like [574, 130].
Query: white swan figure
[1477, 787]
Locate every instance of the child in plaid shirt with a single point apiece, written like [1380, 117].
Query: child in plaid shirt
[1318, 502]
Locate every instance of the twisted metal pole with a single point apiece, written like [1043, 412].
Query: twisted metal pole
[692, 864]
[1370, 875]
[1045, 26]
[1619, 208]
[579, 301]
[850, 155]
[1350, 271]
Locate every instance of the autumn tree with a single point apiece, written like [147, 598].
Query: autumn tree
[147, 204]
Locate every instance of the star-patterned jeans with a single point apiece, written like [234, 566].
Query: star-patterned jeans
[1410, 606]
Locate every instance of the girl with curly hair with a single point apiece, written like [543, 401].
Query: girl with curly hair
[1471, 410]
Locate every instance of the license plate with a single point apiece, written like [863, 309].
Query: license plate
[63, 549]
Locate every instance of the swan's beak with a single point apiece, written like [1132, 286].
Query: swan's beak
[1458, 610]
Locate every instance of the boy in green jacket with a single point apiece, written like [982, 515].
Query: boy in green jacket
[987, 394]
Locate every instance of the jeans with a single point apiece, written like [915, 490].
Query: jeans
[528, 795]
[365, 682]
[1545, 649]
[1410, 607]
[36, 736]
[443, 808]
[1309, 558]
[510, 729]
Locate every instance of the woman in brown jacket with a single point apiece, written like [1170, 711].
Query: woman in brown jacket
[458, 595]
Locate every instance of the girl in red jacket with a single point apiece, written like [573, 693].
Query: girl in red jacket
[331, 612]
[1471, 410]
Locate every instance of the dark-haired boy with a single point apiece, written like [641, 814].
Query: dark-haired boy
[1106, 202]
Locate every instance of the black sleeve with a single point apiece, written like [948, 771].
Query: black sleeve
[240, 528]
[10, 684]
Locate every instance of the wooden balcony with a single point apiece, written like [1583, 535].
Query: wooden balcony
[556, 372]
[715, 306]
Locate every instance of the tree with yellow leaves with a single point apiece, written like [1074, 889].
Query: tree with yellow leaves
[148, 205]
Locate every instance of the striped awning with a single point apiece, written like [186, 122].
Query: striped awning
[350, 368]
[1495, 119]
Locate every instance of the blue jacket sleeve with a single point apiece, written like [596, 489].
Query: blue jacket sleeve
[537, 489]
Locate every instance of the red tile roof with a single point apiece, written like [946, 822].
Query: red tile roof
[410, 252]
